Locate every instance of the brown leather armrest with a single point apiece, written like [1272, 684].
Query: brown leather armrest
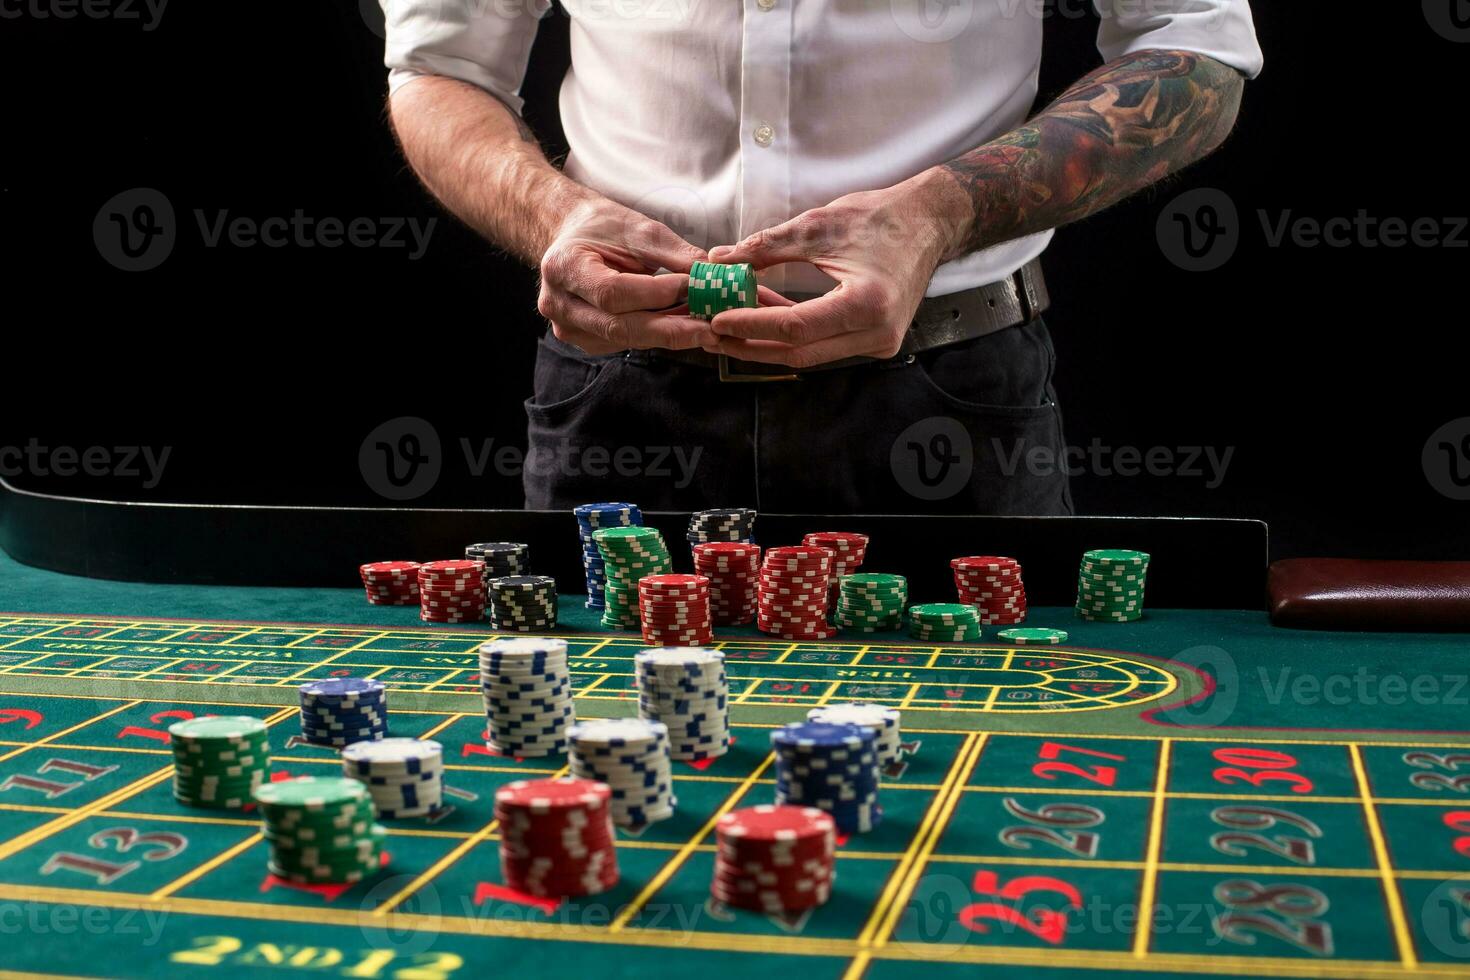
[1354, 594]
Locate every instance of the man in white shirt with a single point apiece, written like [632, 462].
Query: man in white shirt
[872, 159]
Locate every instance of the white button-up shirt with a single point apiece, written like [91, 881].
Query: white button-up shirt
[723, 117]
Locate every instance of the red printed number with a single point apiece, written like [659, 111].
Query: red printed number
[1264, 765]
[1102, 775]
[1045, 924]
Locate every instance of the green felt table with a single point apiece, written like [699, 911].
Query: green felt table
[1193, 793]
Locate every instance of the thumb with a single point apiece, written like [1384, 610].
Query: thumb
[789, 241]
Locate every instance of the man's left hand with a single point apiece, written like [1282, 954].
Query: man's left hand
[882, 248]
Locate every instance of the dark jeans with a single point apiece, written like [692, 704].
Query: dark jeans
[969, 429]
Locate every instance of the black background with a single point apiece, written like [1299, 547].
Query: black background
[1324, 369]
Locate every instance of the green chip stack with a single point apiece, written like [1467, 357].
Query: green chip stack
[219, 761]
[1033, 636]
[628, 554]
[320, 830]
[1110, 585]
[715, 288]
[871, 601]
[945, 622]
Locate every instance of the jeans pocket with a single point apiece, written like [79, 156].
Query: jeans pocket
[565, 381]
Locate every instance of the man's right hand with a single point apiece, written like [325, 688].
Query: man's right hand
[600, 286]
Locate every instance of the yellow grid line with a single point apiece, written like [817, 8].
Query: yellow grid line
[27, 746]
[1144, 934]
[1402, 936]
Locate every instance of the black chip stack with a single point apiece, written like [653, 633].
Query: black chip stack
[501, 558]
[730, 524]
[522, 603]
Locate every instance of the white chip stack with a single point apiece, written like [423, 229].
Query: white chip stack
[630, 755]
[528, 696]
[404, 775]
[686, 689]
[887, 738]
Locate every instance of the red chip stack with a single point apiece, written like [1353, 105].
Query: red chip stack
[556, 837]
[792, 597]
[451, 591]
[774, 859]
[992, 584]
[391, 583]
[674, 610]
[733, 569]
[848, 551]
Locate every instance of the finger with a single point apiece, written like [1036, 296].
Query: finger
[802, 356]
[769, 297]
[639, 330]
[797, 240]
[659, 247]
[800, 323]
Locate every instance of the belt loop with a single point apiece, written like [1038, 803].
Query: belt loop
[1026, 290]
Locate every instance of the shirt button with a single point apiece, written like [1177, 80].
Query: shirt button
[764, 134]
[765, 4]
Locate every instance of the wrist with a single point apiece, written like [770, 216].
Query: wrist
[944, 211]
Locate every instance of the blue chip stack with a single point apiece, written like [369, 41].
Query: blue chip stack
[831, 767]
[630, 755]
[405, 776]
[592, 517]
[686, 689]
[528, 696]
[343, 710]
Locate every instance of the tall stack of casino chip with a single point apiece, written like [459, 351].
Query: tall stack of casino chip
[884, 722]
[391, 583]
[831, 767]
[219, 761]
[687, 690]
[320, 830]
[733, 570]
[404, 776]
[675, 610]
[1110, 585]
[734, 524]
[339, 711]
[630, 755]
[628, 554]
[522, 603]
[556, 837]
[774, 859]
[528, 696]
[715, 288]
[944, 622]
[452, 591]
[870, 602]
[591, 518]
[993, 585]
[848, 551]
[500, 558]
[792, 599]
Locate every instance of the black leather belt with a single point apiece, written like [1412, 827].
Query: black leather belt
[940, 321]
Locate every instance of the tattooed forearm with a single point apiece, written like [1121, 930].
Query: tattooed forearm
[1120, 129]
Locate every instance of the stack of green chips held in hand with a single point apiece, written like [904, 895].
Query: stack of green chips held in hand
[944, 622]
[628, 554]
[1110, 585]
[320, 829]
[715, 288]
[219, 761]
[870, 601]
